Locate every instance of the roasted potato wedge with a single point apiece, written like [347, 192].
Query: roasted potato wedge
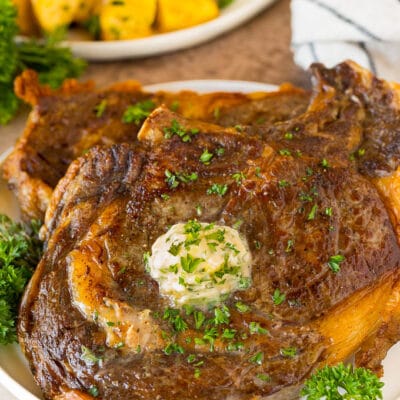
[127, 19]
[177, 14]
[52, 14]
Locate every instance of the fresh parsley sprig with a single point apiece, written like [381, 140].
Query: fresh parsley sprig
[343, 382]
[20, 251]
[52, 62]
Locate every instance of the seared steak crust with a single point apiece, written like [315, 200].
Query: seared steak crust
[111, 200]
[66, 123]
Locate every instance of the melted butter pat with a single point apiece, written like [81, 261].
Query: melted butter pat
[199, 263]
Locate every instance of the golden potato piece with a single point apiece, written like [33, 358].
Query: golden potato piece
[85, 10]
[178, 14]
[26, 20]
[127, 19]
[52, 14]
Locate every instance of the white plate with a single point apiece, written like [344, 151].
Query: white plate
[232, 16]
[14, 372]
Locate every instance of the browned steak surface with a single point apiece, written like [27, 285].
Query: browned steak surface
[65, 124]
[295, 214]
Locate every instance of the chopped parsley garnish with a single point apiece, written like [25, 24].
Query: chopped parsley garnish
[218, 189]
[172, 348]
[343, 382]
[288, 136]
[238, 128]
[199, 319]
[289, 246]
[146, 260]
[285, 152]
[239, 177]
[328, 211]
[206, 157]
[237, 224]
[220, 151]
[93, 391]
[189, 263]
[244, 282]
[221, 315]
[335, 261]
[325, 163]
[242, 307]
[257, 358]
[289, 352]
[165, 196]
[174, 249]
[218, 235]
[257, 244]
[258, 172]
[177, 129]
[20, 251]
[136, 113]
[263, 377]
[173, 317]
[89, 357]
[209, 336]
[255, 327]
[100, 108]
[312, 213]
[199, 210]
[228, 334]
[173, 180]
[283, 183]
[237, 346]
[278, 297]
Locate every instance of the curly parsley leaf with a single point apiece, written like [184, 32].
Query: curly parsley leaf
[343, 382]
[20, 251]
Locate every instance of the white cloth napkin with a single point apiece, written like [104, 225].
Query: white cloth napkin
[331, 31]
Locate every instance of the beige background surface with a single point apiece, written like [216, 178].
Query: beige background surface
[258, 51]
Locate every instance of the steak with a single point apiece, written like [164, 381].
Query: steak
[65, 123]
[314, 199]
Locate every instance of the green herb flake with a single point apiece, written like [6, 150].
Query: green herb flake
[283, 183]
[325, 163]
[330, 382]
[289, 246]
[288, 136]
[146, 260]
[289, 352]
[199, 319]
[278, 297]
[93, 391]
[172, 348]
[177, 129]
[257, 358]
[334, 262]
[100, 108]
[258, 172]
[89, 357]
[197, 373]
[285, 152]
[217, 189]
[220, 151]
[312, 213]
[189, 263]
[255, 327]
[263, 377]
[136, 113]
[221, 315]
[206, 157]
[228, 334]
[242, 307]
[239, 177]
[165, 197]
